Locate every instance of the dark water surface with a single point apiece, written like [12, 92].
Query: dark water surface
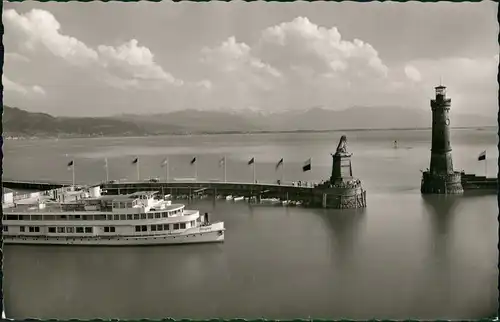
[405, 256]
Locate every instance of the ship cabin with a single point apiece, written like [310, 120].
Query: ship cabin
[91, 215]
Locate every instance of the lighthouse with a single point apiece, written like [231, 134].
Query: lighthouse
[441, 178]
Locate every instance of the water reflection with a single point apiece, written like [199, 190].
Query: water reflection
[345, 227]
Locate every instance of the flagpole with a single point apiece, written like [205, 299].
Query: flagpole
[138, 173]
[224, 168]
[73, 170]
[107, 171]
[196, 169]
[283, 172]
[166, 170]
[485, 167]
[254, 180]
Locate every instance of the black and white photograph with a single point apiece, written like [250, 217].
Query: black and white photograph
[253, 160]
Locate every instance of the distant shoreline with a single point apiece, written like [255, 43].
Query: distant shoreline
[65, 137]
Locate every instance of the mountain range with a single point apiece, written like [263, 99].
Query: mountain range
[18, 122]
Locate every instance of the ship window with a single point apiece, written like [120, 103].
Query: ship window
[166, 227]
[32, 229]
[123, 217]
[49, 217]
[77, 216]
[111, 229]
[79, 230]
[100, 217]
[129, 217]
[137, 228]
[21, 229]
[110, 217]
[115, 205]
[51, 230]
[24, 217]
[153, 227]
[144, 228]
[193, 223]
[176, 226]
[106, 229]
[60, 230]
[62, 217]
[143, 216]
[37, 229]
[70, 229]
[150, 216]
[183, 225]
[87, 217]
[165, 214]
[5, 228]
[88, 230]
[116, 217]
[36, 217]
[158, 215]
[136, 216]
[11, 217]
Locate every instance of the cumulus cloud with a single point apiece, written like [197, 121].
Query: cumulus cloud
[307, 46]
[127, 65]
[11, 86]
[15, 57]
[412, 73]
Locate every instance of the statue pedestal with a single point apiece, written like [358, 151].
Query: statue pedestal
[341, 167]
[342, 191]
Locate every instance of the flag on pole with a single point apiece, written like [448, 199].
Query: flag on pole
[307, 166]
[280, 162]
[135, 161]
[193, 160]
[482, 156]
[252, 161]
[164, 162]
[221, 162]
[70, 164]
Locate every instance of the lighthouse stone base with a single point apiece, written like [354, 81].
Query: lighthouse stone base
[441, 183]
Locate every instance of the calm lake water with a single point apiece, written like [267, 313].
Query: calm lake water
[405, 256]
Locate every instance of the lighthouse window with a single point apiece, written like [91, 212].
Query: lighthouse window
[60, 230]
[52, 230]
[183, 225]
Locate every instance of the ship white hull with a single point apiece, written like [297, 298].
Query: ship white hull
[212, 236]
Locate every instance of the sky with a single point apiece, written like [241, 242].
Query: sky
[99, 59]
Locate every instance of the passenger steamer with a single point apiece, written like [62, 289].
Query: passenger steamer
[85, 217]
